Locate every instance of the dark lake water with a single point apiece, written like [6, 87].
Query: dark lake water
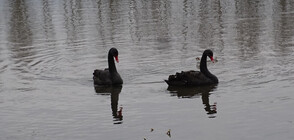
[49, 49]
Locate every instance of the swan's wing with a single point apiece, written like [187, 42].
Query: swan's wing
[196, 78]
[188, 78]
[101, 77]
[175, 82]
[177, 79]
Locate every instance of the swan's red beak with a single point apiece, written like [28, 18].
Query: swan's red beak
[211, 58]
[116, 58]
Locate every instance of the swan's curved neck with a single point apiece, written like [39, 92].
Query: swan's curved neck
[111, 64]
[204, 70]
[203, 65]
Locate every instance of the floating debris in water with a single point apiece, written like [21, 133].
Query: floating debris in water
[168, 133]
[151, 130]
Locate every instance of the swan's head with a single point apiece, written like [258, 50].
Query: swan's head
[209, 53]
[114, 53]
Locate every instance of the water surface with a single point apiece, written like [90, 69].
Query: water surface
[49, 49]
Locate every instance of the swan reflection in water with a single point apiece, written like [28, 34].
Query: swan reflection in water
[204, 92]
[114, 92]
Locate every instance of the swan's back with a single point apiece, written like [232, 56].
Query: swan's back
[102, 77]
[188, 78]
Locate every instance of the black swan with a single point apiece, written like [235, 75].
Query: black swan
[195, 78]
[108, 76]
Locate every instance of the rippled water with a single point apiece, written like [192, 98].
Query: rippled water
[49, 49]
